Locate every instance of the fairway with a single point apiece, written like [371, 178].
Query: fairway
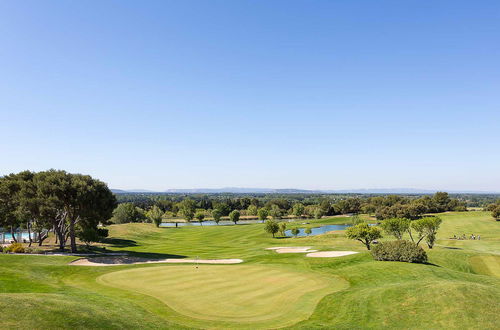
[252, 295]
[487, 265]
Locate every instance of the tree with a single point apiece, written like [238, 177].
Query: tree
[308, 231]
[275, 212]
[364, 233]
[74, 199]
[187, 209]
[441, 200]
[295, 231]
[298, 209]
[282, 228]
[271, 227]
[495, 210]
[216, 214]
[200, 215]
[155, 215]
[87, 235]
[234, 216]
[396, 226]
[427, 228]
[318, 212]
[125, 213]
[263, 214]
[349, 205]
[252, 210]
[496, 213]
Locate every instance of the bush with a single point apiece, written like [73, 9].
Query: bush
[399, 250]
[102, 233]
[15, 248]
[32, 250]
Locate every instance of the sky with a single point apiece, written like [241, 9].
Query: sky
[277, 94]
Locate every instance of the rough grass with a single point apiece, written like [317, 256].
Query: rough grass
[457, 289]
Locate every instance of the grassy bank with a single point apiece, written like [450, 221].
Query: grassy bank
[460, 287]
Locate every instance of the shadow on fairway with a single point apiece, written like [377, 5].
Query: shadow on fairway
[118, 242]
[148, 255]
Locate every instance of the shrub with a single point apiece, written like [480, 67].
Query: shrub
[32, 250]
[15, 248]
[399, 250]
[102, 233]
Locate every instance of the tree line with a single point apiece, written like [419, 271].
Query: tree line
[189, 208]
[70, 205]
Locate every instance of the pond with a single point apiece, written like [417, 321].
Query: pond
[318, 230]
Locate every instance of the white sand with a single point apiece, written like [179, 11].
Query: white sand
[292, 249]
[133, 261]
[330, 254]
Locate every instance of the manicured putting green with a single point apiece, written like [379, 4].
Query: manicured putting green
[250, 294]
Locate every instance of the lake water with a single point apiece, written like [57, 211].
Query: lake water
[318, 230]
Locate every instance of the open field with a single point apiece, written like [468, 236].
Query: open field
[459, 288]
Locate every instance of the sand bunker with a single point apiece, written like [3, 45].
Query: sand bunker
[292, 249]
[330, 254]
[104, 261]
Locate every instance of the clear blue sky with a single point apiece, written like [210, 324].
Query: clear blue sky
[302, 94]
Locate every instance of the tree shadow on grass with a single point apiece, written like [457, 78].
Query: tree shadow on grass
[119, 242]
[151, 255]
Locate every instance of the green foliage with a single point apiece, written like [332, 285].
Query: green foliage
[263, 214]
[271, 227]
[396, 227]
[427, 228]
[102, 232]
[400, 250]
[282, 228]
[234, 216]
[356, 219]
[275, 212]
[15, 248]
[252, 210]
[199, 215]
[88, 235]
[217, 215]
[127, 212]
[187, 209]
[54, 200]
[295, 231]
[495, 210]
[155, 215]
[349, 205]
[318, 212]
[364, 233]
[308, 231]
[298, 209]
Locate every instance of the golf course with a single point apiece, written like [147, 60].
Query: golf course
[459, 287]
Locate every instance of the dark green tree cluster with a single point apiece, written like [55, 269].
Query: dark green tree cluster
[55, 201]
[395, 206]
[495, 210]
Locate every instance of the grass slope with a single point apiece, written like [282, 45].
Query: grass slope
[457, 289]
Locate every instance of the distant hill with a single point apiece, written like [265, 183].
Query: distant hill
[239, 190]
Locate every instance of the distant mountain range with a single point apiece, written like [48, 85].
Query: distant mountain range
[238, 190]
